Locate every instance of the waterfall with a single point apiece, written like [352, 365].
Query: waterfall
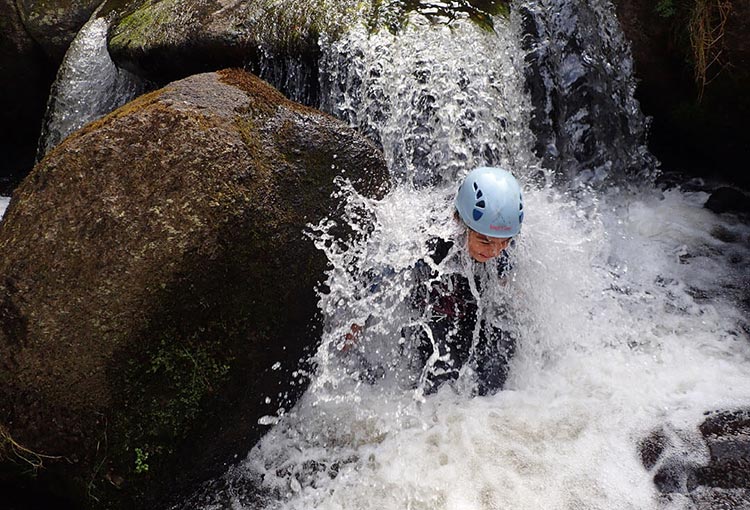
[439, 99]
[587, 123]
[87, 87]
[625, 298]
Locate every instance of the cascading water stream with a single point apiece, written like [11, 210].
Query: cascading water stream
[88, 86]
[588, 126]
[436, 108]
[627, 304]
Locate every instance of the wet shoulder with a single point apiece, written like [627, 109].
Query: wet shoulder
[439, 248]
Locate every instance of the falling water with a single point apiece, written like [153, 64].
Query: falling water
[588, 126]
[87, 87]
[629, 302]
[439, 99]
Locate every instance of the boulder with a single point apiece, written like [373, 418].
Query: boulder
[157, 290]
[54, 23]
[165, 39]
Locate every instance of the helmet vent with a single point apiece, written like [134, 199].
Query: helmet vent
[477, 213]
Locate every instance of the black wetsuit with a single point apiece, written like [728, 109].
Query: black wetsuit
[452, 311]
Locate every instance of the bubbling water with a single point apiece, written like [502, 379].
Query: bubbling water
[613, 343]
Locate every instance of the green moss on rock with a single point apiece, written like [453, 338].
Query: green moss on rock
[163, 392]
[149, 24]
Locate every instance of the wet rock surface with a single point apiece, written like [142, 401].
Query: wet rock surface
[726, 199]
[25, 77]
[34, 37]
[709, 471]
[587, 124]
[169, 39]
[727, 435]
[696, 129]
[54, 23]
[155, 283]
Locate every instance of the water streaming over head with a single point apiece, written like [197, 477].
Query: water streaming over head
[440, 99]
[87, 87]
[627, 306]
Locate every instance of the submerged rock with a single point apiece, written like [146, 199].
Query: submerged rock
[156, 288]
[711, 469]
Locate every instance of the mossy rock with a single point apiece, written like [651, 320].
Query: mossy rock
[54, 23]
[163, 39]
[156, 286]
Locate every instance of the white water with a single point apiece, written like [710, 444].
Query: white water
[613, 346]
[439, 99]
[627, 306]
[4, 201]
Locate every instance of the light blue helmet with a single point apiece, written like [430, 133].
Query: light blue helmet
[490, 202]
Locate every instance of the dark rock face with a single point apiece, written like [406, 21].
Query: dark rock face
[727, 435]
[156, 286]
[652, 447]
[703, 136]
[34, 36]
[678, 461]
[169, 39]
[727, 199]
[25, 78]
[587, 124]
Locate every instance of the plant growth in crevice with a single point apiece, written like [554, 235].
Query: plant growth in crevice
[699, 26]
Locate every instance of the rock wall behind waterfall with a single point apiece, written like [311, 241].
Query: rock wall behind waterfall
[700, 130]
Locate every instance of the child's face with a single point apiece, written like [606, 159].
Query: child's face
[483, 248]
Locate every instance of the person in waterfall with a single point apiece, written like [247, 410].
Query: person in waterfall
[489, 208]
